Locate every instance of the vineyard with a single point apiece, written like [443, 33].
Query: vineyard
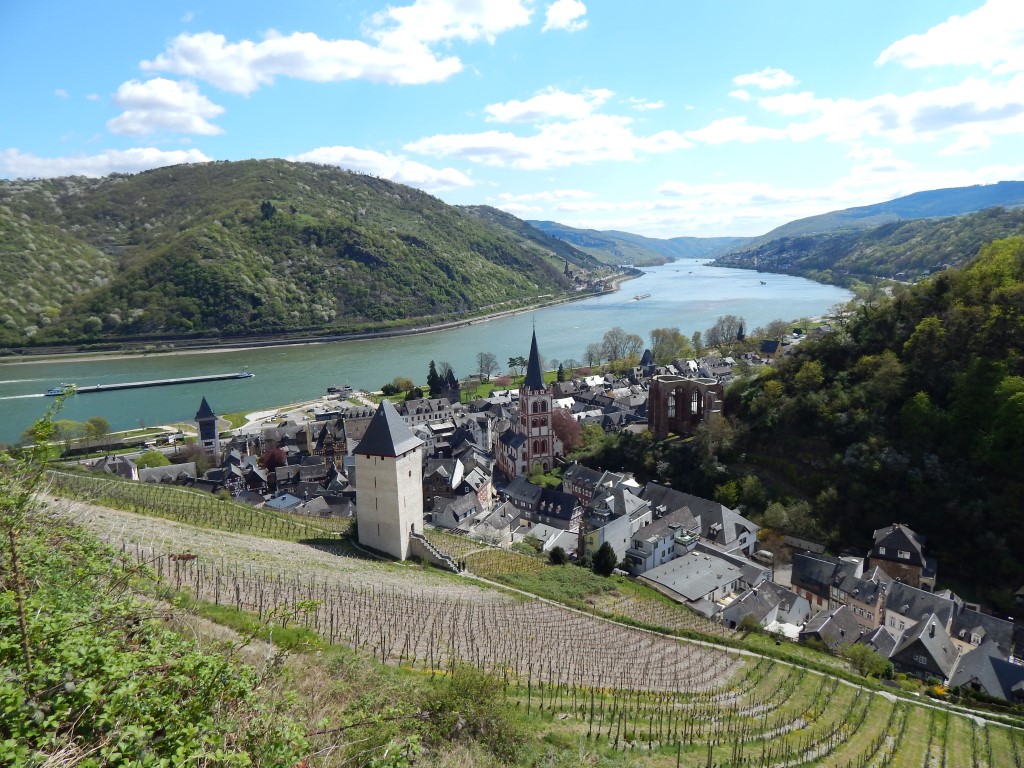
[187, 506]
[613, 687]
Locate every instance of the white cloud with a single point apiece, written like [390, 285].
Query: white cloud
[731, 129]
[547, 105]
[991, 36]
[547, 196]
[188, 17]
[14, 163]
[565, 14]
[767, 79]
[93, 96]
[741, 94]
[519, 209]
[395, 167]
[163, 105]
[644, 105]
[400, 51]
[60, 93]
[586, 140]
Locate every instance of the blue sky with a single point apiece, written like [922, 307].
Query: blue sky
[664, 118]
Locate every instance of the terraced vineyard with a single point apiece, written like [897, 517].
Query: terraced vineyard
[613, 687]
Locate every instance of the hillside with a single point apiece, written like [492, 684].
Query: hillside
[901, 250]
[612, 247]
[932, 203]
[251, 247]
[911, 411]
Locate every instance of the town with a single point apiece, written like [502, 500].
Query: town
[481, 469]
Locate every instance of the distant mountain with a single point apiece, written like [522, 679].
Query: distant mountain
[612, 247]
[532, 234]
[901, 250]
[254, 247]
[954, 201]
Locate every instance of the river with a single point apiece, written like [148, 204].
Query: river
[685, 294]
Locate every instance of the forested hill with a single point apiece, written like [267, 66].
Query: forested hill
[612, 247]
[932, 203]
[902, 250]
[260, 246]
[912, 411]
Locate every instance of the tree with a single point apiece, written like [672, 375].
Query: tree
[613, 344]
[194, 452]
[443, 369]
[633, 345]
[414, 394]
[486, 364]
[566, 429]
[593, 354]
[560, 376]
[152, 458]
[272, 458]
[697, 343]
[96, 428]
[605, 560]
[866, 661]
[668, 344]
[517, 364]
[724, 331]
[557, 556]
[433, 380]
[571, 364]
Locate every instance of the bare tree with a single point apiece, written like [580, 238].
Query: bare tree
[486, 364]
[593, 354]
[613, 345]
[633, 345]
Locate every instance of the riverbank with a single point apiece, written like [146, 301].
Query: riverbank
[207, 346]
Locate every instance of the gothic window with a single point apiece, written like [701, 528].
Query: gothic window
[672, 404]
[536, 406]
[544, 421]
[535, 448]
[695, 402]
[545, 465]
[543, 406]
[544, 447]
[533, 423]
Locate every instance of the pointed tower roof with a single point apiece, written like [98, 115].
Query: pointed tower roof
[534, 375]
[205, 411]
[387, 434]
[647, 359]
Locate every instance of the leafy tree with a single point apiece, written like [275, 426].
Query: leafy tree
[414, 394]
[605, 560]
[613, 344]
[152, 458]
[866, 661]
[194, 452]
[517, 364]
[272, 458]
[668, 344]
[486, 364]
[560, 376]
[697, 343]
[566, 429]
[96, 428]
[557, 556]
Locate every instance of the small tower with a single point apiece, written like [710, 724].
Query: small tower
[206, 421]
[389, 483]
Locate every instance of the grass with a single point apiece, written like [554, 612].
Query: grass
[563, 583]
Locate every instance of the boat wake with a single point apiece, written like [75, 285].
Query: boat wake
[19, 397]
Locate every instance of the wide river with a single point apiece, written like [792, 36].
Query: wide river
[684, 294]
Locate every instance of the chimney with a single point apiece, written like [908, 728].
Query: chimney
[931, 629]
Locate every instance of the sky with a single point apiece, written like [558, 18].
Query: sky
[664, 118]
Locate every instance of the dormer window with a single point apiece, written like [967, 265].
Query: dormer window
[903, 554]
[881, 550]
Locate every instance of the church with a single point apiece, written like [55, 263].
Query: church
[529, 443]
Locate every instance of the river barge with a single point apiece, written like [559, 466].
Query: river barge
[67, 389]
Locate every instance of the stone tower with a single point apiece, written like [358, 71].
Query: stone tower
[206, 421]
[535, 414]
[389, 483]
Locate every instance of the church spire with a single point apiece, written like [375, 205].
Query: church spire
[534, 376]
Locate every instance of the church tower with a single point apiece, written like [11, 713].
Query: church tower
[535, 415]
[209, 438]
[389, 483]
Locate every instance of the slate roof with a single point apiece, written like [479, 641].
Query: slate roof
[387, 434]
[205, 411]
[523, 491]
[880, 641]
[647, 359]
[982, 668]
[930, 634]
[991, 629]
[917, 604]
[897, 537]
[534, 376]
[835, 627]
